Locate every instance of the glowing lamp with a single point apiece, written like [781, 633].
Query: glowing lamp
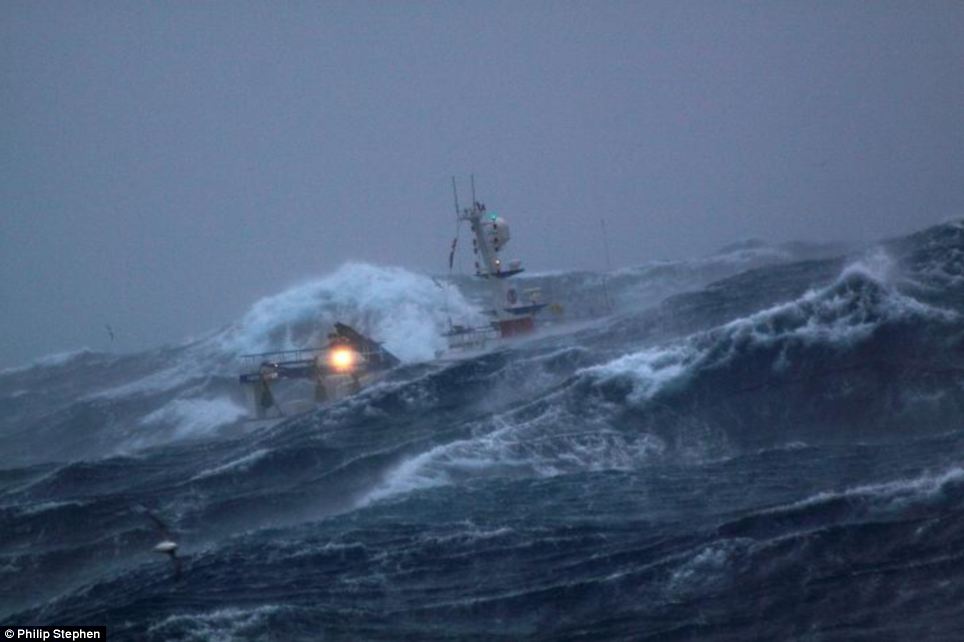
[342, 359]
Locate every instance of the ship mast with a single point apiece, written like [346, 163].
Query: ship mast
[490, 234]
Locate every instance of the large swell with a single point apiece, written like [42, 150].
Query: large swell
[770, 454]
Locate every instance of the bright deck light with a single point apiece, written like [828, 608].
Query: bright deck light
[342, 359]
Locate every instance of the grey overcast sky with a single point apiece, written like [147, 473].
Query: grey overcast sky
[164, 164]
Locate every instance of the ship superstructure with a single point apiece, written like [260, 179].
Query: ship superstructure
[512, 310]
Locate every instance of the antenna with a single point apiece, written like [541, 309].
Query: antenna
[472, 178]
[458, 226]
[609, 267]
[602, 223]
[455, 193]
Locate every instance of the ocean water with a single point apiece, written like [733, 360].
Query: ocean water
[762, 444]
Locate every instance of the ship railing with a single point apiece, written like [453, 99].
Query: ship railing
[470, 338]
[280, 356]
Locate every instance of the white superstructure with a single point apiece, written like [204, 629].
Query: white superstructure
[512, 311]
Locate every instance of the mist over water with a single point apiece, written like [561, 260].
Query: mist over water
[764, 443]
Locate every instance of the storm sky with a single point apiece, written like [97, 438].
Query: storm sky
[164, 164]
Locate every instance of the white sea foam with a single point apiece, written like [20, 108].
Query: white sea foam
[540, 447]
[888, 496]
[221, 625]
[49, 361]
[471, 534]
[704, 566]
[841, 314]
[406, 311]
[239, 465]
[195, 417]
[653, 368]
[44, 507]
[162, 380]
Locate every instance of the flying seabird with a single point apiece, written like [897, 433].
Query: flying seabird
[110, 331]
[167, 545]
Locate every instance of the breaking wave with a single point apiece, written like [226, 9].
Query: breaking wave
[838, 317]
[408, 312]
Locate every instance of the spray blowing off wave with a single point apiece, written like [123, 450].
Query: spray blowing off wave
[191, 391]
[854, 358]
[407, 312]
[837, 317]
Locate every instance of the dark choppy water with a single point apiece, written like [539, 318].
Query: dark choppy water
[775, 454]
